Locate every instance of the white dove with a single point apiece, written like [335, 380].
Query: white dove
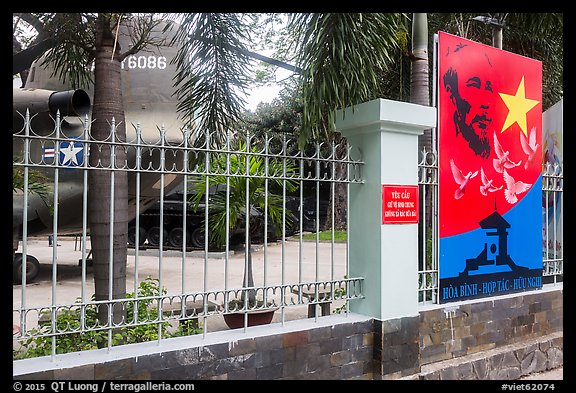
[529, 146]
[503, 160]
[487, 184]
[513, 188]
[461, 179]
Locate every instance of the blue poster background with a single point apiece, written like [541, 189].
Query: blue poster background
[492, 279]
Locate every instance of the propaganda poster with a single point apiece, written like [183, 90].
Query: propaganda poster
[490, 170]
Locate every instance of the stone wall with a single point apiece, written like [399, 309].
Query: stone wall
[473, 340]
[509, 362]
[335, 347]
[463, 329]
[445, 338]
[396, 347]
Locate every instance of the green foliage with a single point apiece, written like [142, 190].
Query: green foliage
[142, 312]
[282, 116]
[246, 161]
[207, 88]
[73, 39]
[339, 236]
[340, 293]
[37, 182]
[187, 327]
[66, 320]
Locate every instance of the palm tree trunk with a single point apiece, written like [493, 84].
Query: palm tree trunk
[420, 94]
[108, 213]
[419, 86]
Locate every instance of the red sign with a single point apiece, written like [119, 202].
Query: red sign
[399, 204]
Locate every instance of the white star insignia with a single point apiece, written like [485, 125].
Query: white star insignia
[70, 153]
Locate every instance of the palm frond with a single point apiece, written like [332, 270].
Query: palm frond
[343, 57]
[212, 68]
[38, 183]
[71, 57]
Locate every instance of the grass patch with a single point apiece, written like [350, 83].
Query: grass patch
[339, 236]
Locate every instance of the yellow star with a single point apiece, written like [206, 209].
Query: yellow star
[518, 105]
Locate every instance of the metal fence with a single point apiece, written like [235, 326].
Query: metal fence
[552, 223]
[261, 193]
[428, 227]
[246, 204]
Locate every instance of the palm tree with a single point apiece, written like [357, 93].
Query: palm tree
[419, 87]
[208, 87]
[345, 59]
[420, 94]
[248, 191]
[342, 57]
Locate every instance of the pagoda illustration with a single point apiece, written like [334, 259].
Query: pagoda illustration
[495, 225]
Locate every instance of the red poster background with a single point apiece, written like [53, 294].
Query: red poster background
[506, 73]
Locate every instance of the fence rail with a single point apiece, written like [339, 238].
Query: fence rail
[553, 223]
[428, 227]
[255, 184]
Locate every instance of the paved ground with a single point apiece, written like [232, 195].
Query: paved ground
[178, 275]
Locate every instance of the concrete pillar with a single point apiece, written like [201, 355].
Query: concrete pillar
[386, 255]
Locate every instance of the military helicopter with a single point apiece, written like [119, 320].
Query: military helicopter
[147, 90]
